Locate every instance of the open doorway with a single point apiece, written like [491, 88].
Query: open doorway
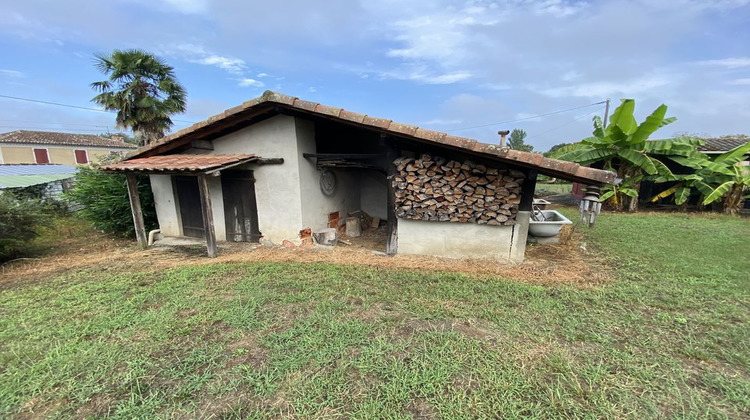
[240, 207]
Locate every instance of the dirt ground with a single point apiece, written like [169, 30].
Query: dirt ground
[566, 262]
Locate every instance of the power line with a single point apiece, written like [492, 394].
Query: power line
[565, 125]
[103, 129]
[53, 123]
[528, 118]
[70, 106]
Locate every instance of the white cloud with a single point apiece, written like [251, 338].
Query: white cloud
[11, 73]
[604, 89]
[232, 65]
[312, 89]
[730, 63]
[441, 121]
[420, 74]
[188, 6]
[261, 75]
[196, 53]
[741, 82]
[248, 82]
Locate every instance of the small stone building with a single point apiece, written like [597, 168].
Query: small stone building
[275, 166]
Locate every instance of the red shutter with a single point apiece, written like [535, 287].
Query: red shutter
[81, 157]
[41, 156]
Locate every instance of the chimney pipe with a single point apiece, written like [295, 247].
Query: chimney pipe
[502, 137]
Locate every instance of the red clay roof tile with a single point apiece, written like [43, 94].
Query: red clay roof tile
[179, 163]
[551, 166]
[64, 139]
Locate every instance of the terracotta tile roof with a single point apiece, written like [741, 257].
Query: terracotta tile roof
[273, 101]
[723, 144]
[61, 139]
[179, 163]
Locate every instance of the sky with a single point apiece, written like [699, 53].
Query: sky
[468, 68]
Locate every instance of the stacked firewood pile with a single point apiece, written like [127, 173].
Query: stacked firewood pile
[435, 189]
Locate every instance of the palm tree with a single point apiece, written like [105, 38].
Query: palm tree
[142, 89]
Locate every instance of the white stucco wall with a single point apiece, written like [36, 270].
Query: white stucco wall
[277, 187]
[520, 236]
[373, 193]
[455, 240]
[166, 207]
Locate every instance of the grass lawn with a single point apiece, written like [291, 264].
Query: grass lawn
[543, 188]
[668, 337]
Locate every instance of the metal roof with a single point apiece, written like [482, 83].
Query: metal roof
[21, 176]
[22, 181]
[36, 169]
[273, 102]
[723, 144]
[180, 163]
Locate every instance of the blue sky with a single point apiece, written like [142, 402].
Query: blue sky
[443, 65]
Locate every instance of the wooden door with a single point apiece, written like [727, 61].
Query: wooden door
[189, 200]
[240, 208]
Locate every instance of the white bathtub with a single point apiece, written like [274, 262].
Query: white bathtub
[550, 227]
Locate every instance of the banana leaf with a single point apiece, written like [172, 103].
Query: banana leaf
[682, 195]
[664, 194]
[718, 192]
[639, 160]
[652, 123]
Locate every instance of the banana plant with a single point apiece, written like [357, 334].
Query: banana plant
[623, 147]
[729, 180]
[721, 178]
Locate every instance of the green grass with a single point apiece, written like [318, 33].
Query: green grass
[543, 188]
[668, 339]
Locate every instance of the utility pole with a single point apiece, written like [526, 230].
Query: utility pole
[606, 112]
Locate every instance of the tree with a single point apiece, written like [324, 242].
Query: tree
[19, 221]
[516, 141]
[142, 89]
[623, 147]
[103, 198]
[553, 149]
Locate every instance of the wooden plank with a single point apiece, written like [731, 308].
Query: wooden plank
[391, 247]
[135, 208]
[270, 161]
[208, 215]
[343, 155]
[527, 191]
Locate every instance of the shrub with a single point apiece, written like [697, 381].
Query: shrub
[103, 199]
[19, 221]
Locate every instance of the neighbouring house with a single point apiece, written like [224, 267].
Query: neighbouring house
[55, 178]
[42, 147]
[277, 166]
[717, 145]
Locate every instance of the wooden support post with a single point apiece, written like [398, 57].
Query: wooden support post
[527, 191]
[391, 247]
[135, 208]
[208, 215]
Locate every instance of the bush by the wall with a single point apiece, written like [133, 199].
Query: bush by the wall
[103, 198]
[19, 220]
